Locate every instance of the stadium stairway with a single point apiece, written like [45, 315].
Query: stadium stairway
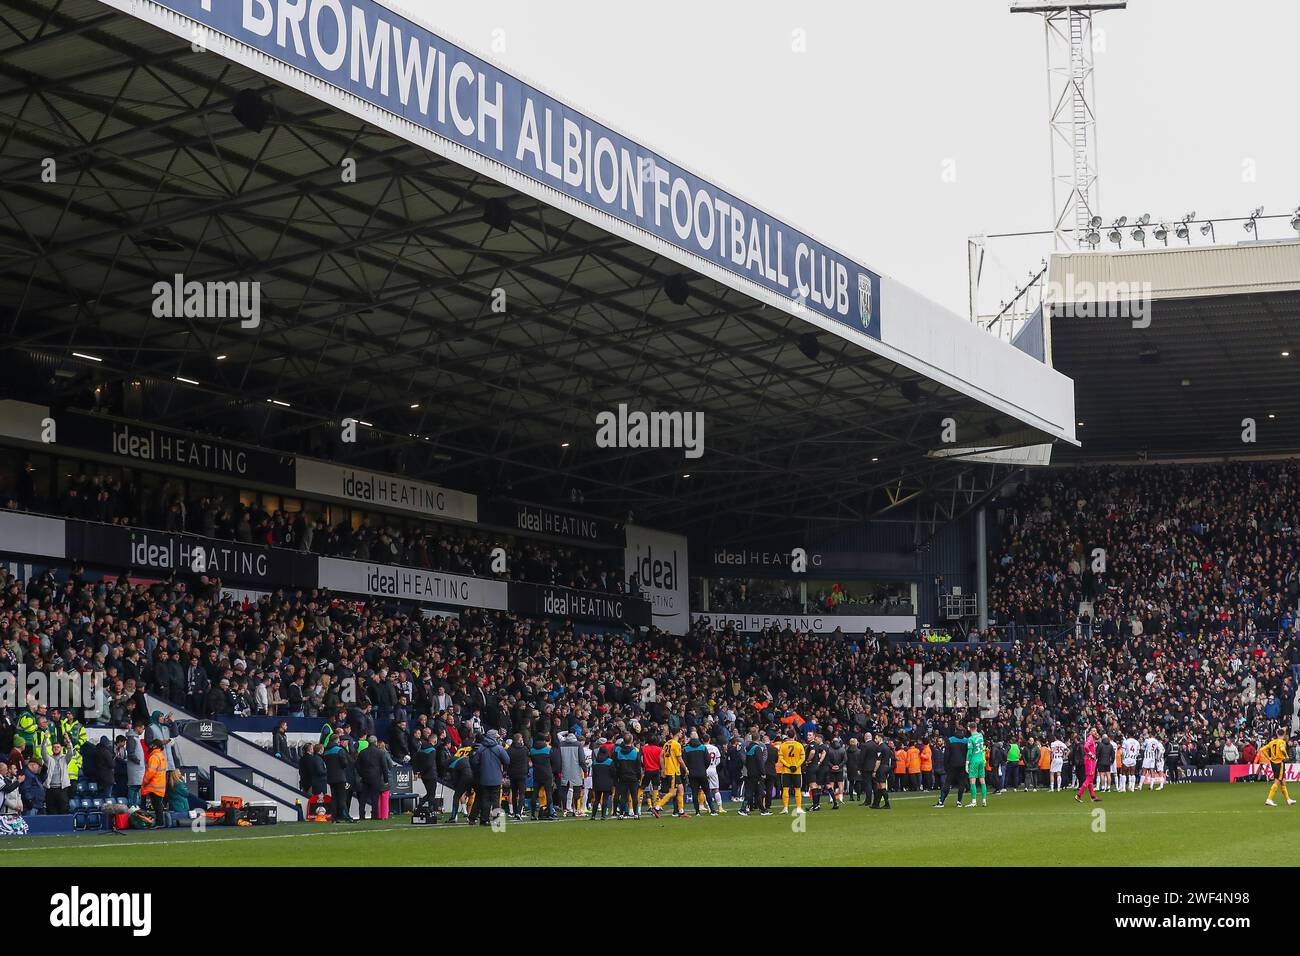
[232, 777]
[271, 777]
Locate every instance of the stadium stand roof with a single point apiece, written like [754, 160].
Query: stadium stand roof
[1178, 382]
[377, 295]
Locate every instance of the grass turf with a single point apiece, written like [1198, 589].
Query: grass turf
[1188, 825]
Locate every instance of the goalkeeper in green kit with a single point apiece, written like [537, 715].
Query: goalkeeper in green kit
[975, 765]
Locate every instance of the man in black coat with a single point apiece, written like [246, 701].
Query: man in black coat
[360, 720]
[954, 766]
[870, 756]
[338, 765]
[399, 741]
[97, 765]
[518, 774]
[370, 776]
[756, 791]
[315, 775]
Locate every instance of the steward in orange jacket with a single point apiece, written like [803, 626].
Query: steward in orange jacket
[154, 786]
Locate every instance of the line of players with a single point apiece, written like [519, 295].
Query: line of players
[626, 776]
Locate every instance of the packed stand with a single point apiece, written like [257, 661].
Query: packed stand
[430, 685]
[1183, 550]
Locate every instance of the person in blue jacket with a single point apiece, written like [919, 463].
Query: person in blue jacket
[490, 762]
[32, 789]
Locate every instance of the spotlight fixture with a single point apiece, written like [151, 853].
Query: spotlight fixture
[1251, 225]
[251, 110]
[809, 346]
[1295, 220]
[1162, 233]
[1208, 230]
[496, 213]
[1115, 235]
[677, 290]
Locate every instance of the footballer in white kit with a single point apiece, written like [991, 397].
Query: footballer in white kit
[1131, 750]
[1153, 762]
[1059, 754]
[711, 775]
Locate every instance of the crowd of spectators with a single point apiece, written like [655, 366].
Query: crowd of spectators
[315, 654]
[111, 500]
[1191, 635]
[1155, 550]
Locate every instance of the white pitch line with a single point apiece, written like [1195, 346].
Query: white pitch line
[201, 840]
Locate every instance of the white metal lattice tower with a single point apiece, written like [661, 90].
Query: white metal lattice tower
[1072, 116]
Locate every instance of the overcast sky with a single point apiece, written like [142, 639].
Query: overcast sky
[849, 140]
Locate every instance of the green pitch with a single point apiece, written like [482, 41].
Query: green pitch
[1189, 825]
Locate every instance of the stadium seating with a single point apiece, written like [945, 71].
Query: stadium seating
[1191, 607]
